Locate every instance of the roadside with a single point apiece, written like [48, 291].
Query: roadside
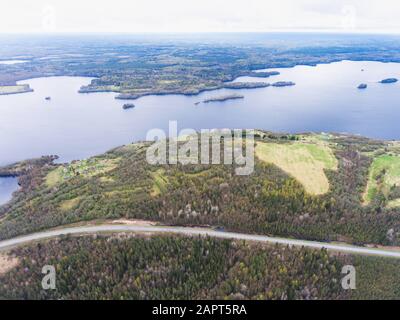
[148, 227]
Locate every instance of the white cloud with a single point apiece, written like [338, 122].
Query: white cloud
[198, 15]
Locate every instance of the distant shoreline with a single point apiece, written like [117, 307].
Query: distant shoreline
[229, 84]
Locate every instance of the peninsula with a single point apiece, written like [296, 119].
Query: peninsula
[191, 92]
[221, 98]
[283, 84]
[263, 74]
[15, 89]
[246, 85]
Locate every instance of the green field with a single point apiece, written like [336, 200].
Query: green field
[383, 175]
[70, 204]
[305, 162]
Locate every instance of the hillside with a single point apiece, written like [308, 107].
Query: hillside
[320, 196]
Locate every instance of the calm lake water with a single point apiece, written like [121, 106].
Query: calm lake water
[76, 126]
[7, 187]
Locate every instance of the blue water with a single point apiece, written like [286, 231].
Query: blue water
[7, 187]
[76, 126]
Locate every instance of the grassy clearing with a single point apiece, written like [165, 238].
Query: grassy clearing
[133, 193]
[394, 204]
[107, 180]
[384, 174]
[305, 162]
[54, 177]
[70, 204]
[7, 263]
[85, 168]
[316, 138]
[160, 182]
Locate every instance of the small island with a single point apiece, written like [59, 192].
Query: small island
[283, 84]
[389, 80]
[221, 98]
[128, 106]
[48, 98]
[362, 86]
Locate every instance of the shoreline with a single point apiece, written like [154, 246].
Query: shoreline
[6, 170]
[12, 93]
[209, 90]
[249, 73]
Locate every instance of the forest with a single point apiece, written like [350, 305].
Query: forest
[162, 267]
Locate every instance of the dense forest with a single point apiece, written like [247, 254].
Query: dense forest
[162, 267]
[121, 184]
[172, 268]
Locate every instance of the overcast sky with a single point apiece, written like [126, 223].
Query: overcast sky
[199, 15]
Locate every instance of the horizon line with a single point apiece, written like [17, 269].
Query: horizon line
[310, 31]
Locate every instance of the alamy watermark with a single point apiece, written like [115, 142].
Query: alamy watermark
[49, 18]
[206, 147]
[349, 17]
[49, 280]
[349, 280]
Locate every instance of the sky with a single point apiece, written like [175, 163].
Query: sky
[138, 16]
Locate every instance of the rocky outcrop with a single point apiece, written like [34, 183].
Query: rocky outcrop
[128, 106]
[362, 86]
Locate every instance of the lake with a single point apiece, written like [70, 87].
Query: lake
[76, 126]
[7, 187]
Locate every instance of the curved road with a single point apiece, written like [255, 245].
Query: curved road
[7, 244]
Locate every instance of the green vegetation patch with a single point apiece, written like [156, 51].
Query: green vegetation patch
[384, 175]
[377, 278]
[393, 204]
[85, 168]
[160, 182]
[68, 205]
[303, 161]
